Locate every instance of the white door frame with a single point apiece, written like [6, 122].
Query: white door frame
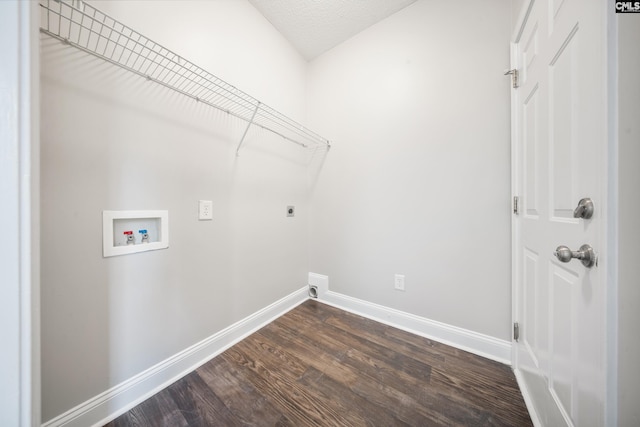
[612, 215]
[514, 65]
[19, 196]
[610, 162]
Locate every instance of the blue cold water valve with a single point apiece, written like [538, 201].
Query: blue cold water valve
[145, 236]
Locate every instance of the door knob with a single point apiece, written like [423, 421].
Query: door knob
[584, 209]
[584, 254]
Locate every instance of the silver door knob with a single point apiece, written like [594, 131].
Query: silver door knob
[584, 209]
[584, 254]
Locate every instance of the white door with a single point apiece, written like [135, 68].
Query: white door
[560, 158]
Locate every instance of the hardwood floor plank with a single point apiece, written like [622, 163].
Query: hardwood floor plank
[380, 335]
[328, 362]
[366, 379]
[239, 395]
[320, 366]
[359, 385]
[470, 375]
[410, 344]
[159, 410]
[331, 390]
[333, 404]
[470, 389]
[199, 405]
[389, 358]
[292, 399]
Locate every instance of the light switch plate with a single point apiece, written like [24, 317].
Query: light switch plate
[205, 210]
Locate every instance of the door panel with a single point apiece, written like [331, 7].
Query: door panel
[529, 53]
[530, 136]
[532, 334]
[559, 158]
[562, 142]
[563, 282]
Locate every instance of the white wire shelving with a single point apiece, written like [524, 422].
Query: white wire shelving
[83, 26]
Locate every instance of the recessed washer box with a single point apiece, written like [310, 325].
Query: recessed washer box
[128, 232]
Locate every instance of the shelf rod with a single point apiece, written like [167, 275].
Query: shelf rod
[247, 129]
[88, 29]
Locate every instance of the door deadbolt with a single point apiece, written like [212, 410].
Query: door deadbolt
[584, 254]
[584, 209]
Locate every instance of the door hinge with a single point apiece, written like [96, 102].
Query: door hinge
[516, 205]
[514, 77]
[516, 331]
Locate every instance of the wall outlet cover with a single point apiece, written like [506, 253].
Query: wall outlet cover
[205, 210]
[399, 282]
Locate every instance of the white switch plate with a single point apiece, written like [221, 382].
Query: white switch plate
[205, 210]
[399, 282]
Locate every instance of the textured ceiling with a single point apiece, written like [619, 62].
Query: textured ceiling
[315, 26]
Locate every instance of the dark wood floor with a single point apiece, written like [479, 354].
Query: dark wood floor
[320, 366]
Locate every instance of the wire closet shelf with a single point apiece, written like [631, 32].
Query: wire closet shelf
[81, 25]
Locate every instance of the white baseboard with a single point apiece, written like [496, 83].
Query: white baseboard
[116, 401]
[473, 342]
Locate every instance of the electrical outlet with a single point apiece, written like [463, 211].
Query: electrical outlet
[399, 282]
[291, 211]
[205, 210]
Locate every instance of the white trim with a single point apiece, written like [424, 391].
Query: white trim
[30, 210]
[515, 191]
[528, 401]
[108, 405]
[19, 193]
[474, 342]
[611, 219]
[12, 325]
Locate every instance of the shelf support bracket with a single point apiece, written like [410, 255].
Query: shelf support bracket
[247, 129]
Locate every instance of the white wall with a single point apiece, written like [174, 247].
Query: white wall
[113, 141]
[629, 206]
[418, 180]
